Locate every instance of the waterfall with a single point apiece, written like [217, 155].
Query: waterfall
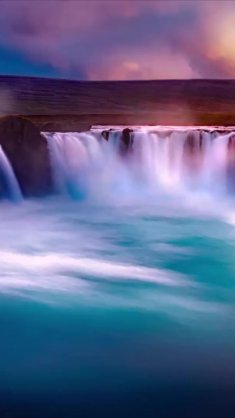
[8, 178]
[113, 162]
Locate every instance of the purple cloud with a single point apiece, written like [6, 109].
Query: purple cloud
[118, 39]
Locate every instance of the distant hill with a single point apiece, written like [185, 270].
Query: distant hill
[56, 104]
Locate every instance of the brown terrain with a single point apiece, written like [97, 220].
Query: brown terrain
[63, 105]
[29, 106]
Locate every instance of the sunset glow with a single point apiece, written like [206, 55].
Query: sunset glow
[118, 40]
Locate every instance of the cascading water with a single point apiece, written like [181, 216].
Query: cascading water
[123, 303]
[8, 179]
[88, 164]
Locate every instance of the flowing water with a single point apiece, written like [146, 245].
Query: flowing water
[8, 179]
[117, 296]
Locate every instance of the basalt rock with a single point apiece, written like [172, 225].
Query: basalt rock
[27, 152]
[193, 142]
[126, 141]
[231, 146]
[105, 135]
[193, 151]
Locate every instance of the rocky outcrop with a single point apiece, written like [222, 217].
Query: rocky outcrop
[126, 141]
[193, 142]
[105, 135]
[27, 152]
[193, 151]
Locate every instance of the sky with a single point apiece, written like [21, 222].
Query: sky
[118, 39]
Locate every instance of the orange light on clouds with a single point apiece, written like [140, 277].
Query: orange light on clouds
[219, 35]
[142, 64]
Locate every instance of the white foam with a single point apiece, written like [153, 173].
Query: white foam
[64, 273]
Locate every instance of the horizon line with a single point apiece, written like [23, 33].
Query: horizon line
[118, 81]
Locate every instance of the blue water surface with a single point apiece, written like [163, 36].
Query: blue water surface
[120, 310]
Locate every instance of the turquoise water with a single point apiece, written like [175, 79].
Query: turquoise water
[117, 309]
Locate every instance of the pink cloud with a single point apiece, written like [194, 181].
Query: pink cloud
[45, 31]
[119, 39]
[139, 64]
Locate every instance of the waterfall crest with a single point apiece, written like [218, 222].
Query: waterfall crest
[140, 160]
